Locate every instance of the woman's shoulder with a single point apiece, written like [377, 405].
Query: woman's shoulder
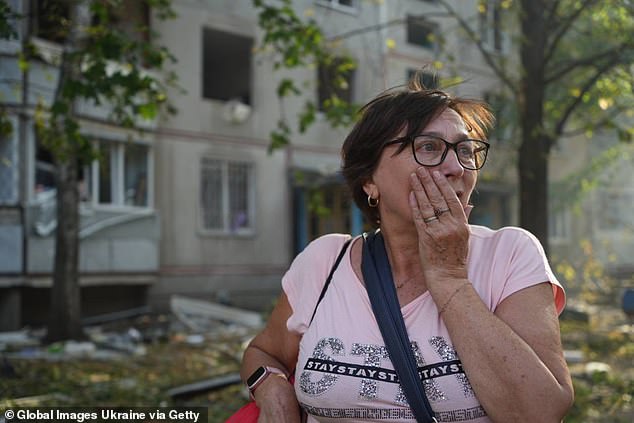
[322, 249]
[504, 237]
[327, 242]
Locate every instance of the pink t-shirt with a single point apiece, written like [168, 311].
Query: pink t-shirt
[343, 369]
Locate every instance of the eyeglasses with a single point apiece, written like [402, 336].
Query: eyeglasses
[430, 150]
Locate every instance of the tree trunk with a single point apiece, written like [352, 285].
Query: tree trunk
[64, 322]
[65, 312]
[535, 145]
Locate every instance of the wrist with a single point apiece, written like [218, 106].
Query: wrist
[448, 296]
[445, 278]
[261, 375]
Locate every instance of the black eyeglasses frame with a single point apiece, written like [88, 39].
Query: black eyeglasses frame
[448, 145]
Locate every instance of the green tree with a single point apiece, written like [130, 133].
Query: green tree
[106, 66]
[572, 74]
[295, 43]
[573, 77]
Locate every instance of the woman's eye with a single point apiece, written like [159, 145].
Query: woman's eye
[466, 151]
[428, 146]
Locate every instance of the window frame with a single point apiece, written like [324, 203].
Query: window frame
[492, 36]
[206, 89]
[117, 160]
[226, 231]
[562, 233]
[614, 199]
[346, 95]
[10, 145]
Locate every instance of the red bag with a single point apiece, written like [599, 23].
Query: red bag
[248, 413]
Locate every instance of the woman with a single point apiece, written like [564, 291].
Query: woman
[480, 306]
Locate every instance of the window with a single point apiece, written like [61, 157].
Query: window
[329, 86]
[428, 79]
[120, 175]
[50, 19]
[13, 18]
[559, 226]
[132, 17]
[490, 23]
[616, 210]
[421, 32]
[503, 112]
[226, 66]
[135, 168]
[227, 196]
[9, 168]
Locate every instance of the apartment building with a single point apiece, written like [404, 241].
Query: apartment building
[197, 205]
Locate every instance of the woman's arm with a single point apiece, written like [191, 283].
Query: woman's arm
[276, 347]
[513, 357]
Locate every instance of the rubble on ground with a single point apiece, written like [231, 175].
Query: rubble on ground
[122, 334]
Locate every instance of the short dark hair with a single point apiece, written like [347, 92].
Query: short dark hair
[412, 107]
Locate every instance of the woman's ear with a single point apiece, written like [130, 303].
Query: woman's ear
[371, 189]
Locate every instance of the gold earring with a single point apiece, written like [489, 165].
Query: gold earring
[373, 202]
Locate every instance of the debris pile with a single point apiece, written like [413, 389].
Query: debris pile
[214, 329]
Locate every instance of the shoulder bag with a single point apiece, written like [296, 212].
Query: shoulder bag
[377, 275]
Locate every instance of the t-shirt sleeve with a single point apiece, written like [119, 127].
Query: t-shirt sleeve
[528, 266]
[306, 277]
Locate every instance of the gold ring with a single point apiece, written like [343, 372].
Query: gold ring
[430, 219]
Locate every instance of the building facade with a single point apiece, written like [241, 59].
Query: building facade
[197, 205]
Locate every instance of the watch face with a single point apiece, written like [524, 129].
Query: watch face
[255, 376]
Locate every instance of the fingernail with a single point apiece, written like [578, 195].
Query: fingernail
[436, 174]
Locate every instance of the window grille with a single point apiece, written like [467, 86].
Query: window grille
[226, 196]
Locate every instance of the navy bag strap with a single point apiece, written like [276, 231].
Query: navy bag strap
[332, 272]
[377, 275]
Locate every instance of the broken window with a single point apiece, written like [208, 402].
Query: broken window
[421, 32]
[132, 17]
[226, 66]
[227, 196]
[50, 19]
[329, 86]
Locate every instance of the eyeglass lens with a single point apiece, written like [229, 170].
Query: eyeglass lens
[431, 151]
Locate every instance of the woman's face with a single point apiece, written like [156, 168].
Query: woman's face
[390, 181]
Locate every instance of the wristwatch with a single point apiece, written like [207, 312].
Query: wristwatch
[260, 375]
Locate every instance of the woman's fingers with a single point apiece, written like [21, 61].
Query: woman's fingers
[435, 196]
[449, 195]
[421, 205]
